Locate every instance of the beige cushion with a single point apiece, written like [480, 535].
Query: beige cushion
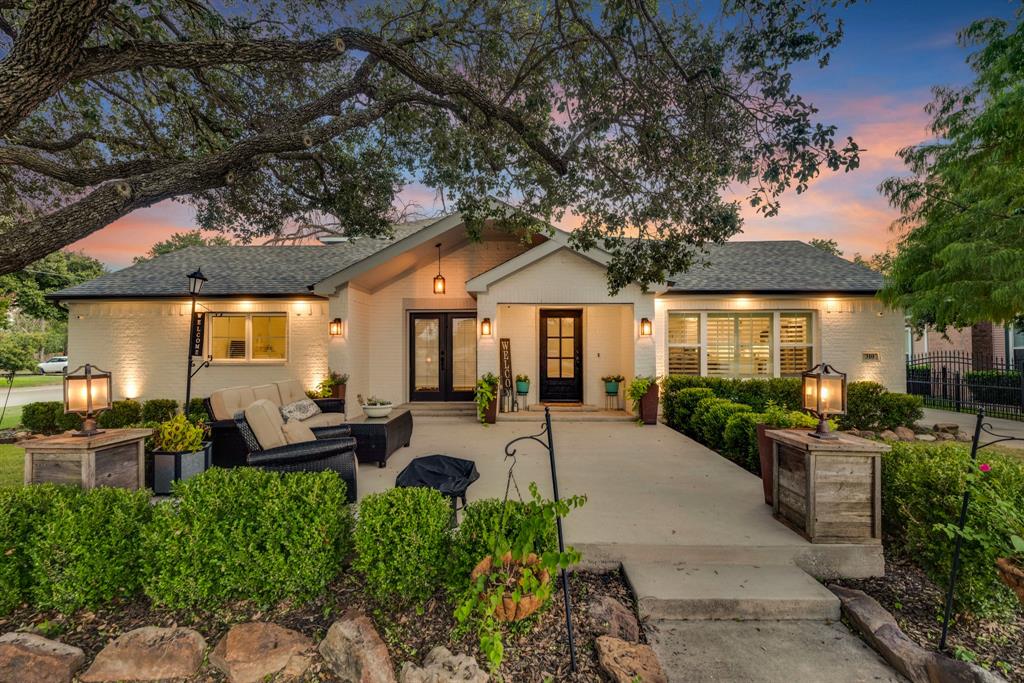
[269, 392]
[291, 391]
[227, 402]
[296, 432]
[325, 420]
[265, 420]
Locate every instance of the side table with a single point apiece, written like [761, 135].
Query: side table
[114, 457]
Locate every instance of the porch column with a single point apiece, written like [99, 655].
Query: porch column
[644, 363]
[487, 347]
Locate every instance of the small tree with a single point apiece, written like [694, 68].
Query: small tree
[829, 245]
[181, 240]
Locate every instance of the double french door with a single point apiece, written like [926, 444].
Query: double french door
[442, 356]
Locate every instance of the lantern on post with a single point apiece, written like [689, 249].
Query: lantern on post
[87, 391]
[824, 390]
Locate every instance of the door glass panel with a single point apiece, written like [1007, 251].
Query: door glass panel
[463, 354]
[427, 347]
[552, 327]
[553, 348]
[567, 325]
[553, 368]
[567, 368]
[567, 347]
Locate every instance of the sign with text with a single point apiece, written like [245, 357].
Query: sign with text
[197, 333]
[505, 346]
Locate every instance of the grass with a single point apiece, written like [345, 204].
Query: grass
[12, 460]
[22, 381]
[12, 417]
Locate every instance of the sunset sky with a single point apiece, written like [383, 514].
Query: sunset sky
[874, 89]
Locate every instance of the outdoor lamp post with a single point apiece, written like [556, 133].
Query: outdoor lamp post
[824, 390]
[87, 391]
[196, 330]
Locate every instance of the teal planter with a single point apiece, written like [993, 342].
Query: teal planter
[522, 387]
[611, 388]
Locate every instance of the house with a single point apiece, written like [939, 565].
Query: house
[985, 343]
[761, 309]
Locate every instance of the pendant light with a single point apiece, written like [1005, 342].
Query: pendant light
[438, 279]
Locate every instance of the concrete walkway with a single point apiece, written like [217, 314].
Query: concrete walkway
[967, 422]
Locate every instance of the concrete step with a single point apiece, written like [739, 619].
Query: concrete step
[729, 591]
[563, 407]
[431, 409]
[568, 416]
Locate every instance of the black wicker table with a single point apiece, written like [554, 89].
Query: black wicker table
[378, 437]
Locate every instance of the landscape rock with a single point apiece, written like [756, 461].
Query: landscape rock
[926, 437]
[48, 660]
[355, 652]
[628, 662]
[904, 433]
[945, 436]
[257, 651]
[889, 435]
[614, 619]
[963, 436]
[441, 666]
[150, 653]
[946, 427]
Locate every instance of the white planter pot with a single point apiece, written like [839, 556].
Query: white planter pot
[378, 411]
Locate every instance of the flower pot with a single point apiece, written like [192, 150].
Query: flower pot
[1012, 574]
[508, 609]
[378, 411]
[522, 387]
[766, 455]
[491, 414]
[338, 391]
[611, 388]
[170, 467]
[649, 405]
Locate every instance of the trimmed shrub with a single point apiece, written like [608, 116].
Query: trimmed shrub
[88, 551]
[922, 490]
[756, 393]
[402, 542]
[1000, 387]
[247, 534]
[159, 409]
[121, 414]
[740, 436]
[870, 406]
[710, 418]
[479, 519]
[48, 417]
[680, 405]
[197, 411]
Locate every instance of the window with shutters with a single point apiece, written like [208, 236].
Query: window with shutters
[796, 344]
[684, 347]
[249, 337]
[739, 344]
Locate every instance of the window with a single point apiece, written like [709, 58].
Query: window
[249, 337]
[683, 343]
[739, 344]
[796, 344]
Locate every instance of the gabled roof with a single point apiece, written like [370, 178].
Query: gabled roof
[775, 267]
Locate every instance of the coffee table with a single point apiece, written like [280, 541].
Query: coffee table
[378, 437]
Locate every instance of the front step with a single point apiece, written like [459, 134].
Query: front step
[563, 407]
[681, 591]
[455, 409]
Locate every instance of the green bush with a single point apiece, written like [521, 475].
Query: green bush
[922, 490]
[48, 417]
[88, 552]
[710, 418]
[1001, 387]
[756, 393]
[680, 404]
[121, 414]
[740, 437]
[471, 544]
[247, 534]
[197, 411]
[870, 406]
[159, 409]
[402, 542]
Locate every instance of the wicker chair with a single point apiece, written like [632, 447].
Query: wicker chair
[317, 455]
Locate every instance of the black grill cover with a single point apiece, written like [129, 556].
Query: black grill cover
[451, 476]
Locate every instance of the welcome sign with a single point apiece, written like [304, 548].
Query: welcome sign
[197, 333]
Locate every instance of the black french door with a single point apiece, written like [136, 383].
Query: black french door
[561, 356]
[442, 356]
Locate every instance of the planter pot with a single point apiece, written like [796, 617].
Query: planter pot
[491, 414]
[508, 609]
[171, 467]
[611, 388]
[522, 387]
[1012, 574]
[764, 451]
[338, 391]
[378, 411]
[649, 405]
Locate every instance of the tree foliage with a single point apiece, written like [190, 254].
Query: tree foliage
[182, 240]
[23, 293]
[961, 260]
[829, 245]
[633, 116]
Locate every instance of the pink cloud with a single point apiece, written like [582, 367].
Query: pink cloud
[131, 236]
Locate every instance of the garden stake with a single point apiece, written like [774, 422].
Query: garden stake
[10, 385]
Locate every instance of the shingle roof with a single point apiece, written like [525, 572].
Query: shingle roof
[237, 270]
[775, 266]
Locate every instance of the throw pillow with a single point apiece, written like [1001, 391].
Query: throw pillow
[300, 410]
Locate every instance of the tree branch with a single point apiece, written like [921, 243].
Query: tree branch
[79, 177]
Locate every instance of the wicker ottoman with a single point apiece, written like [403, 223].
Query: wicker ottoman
[378, 437]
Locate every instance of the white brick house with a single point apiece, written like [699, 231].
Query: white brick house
[760, 309]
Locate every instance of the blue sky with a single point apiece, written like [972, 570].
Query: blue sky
[874, 89]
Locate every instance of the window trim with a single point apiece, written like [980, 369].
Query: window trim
[701, 358]
[249, 360]
[810, 343]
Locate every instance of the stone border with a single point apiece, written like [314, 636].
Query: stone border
[878, 627]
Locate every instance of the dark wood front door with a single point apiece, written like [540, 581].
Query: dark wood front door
[561, 356]
[442, 356]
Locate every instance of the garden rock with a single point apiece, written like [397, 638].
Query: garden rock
[150, 653]
[628, 662]
[889, 435]
[355, 652]
[48, 660]
[926, 437]
[964, 436]
[259, 651]
[944, 436]
[614, 619]
[946, 428]
[904, 433]
[441, 666]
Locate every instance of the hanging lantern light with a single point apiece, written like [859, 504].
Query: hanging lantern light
[438, 279]
[824, 390]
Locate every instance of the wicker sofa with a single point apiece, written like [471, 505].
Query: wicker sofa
[229, 447]
[273, 444]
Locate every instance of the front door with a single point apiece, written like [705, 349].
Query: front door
[442, 356]
[561, 356]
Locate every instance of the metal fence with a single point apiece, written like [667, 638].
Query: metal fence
[959, 381]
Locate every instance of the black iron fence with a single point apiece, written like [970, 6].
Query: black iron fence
[959, 381]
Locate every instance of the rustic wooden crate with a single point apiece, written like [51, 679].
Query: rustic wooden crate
[114, 457]
[829, 491]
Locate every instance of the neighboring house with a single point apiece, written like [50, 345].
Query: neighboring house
[986, 343]
[761, 309]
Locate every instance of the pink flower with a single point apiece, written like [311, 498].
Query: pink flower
[985, 467]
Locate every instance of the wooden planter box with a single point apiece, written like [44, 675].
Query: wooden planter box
[828, 491]
[115, 457]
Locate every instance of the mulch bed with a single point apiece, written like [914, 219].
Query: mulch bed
[537, 651]
[917, 603]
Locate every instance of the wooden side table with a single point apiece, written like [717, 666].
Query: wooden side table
[115, 457]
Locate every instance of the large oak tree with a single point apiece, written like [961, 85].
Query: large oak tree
[280, 115]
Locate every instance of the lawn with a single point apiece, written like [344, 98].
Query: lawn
[11, 465]
[21, 381]
[12, 417]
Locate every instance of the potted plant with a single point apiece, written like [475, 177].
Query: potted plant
[643, 392]
[179, 452]
[522, 384]
[375, 407]
[1011, 567]
[486, 397]
[611, 384]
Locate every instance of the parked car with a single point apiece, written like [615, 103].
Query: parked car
[57, 364]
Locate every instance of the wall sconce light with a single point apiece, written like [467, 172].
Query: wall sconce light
[485, 327]
[646, 328]
[438, 279]
[87, 391]
[824, 390]
[336, 327]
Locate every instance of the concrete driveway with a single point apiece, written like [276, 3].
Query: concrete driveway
[22, 395]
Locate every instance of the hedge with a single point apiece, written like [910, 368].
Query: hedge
[159, 409]
[922, 491]
[710, 417]
[680, 404]
[1001, 387]
[48, 417]
[869, 406]
[740, 437]
[121, 414]
[756, 392]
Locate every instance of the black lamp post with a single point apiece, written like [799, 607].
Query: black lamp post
[196, 280]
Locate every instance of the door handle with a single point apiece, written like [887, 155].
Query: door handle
[442, 361]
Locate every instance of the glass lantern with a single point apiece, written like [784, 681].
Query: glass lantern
[824, 394]
[87, 391]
